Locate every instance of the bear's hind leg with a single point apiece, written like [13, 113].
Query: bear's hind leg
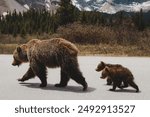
[70, 66]
[81, 80]
[132, 84]
[64, 79]
[76, 75]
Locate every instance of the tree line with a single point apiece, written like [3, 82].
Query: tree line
[41, 21]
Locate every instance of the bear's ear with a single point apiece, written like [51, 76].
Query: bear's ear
[102, 63]
[18, 49]
[107, 69]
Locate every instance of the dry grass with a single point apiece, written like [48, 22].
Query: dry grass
[112, 50]
[90, 34]
[7, 48]
[92, 40]
[97, 49]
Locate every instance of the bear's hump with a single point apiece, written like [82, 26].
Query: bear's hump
[33, 42]
[70, 47]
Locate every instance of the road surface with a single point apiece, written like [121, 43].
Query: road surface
[11, 89]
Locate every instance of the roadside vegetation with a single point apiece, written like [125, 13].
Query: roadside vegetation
[93, 32]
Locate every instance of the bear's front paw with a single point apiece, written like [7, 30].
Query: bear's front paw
[60, 85]
[111, 89]
[20, 79]
[137, 91]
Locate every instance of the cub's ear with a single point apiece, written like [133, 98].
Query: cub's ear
[107, 69]
[18, 49]
[102, 63]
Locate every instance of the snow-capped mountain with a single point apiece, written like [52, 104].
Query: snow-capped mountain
[50, 5]
[106, 6]
[113, 6]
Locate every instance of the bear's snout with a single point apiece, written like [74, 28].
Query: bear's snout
[97, 70]
[16, 63]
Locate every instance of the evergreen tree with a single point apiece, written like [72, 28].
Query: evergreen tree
[139, 21]
[141, 25]
[66, 13]
[82, 17]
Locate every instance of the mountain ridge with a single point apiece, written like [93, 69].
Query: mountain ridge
[105, 6]
[112, 6]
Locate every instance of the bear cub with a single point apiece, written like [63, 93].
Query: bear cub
[102, 65]
[119, 75]
[56, 52]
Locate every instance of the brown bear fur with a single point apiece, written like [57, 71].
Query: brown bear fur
[102, 65]
[118, 75]
[56, 52]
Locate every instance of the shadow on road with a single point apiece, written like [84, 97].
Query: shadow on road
[125, 91]
[76, 89]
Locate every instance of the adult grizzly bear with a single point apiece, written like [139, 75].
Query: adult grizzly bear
[119, 75]
[102, 65]
[56, 52]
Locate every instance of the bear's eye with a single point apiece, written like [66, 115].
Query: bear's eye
[16, 59]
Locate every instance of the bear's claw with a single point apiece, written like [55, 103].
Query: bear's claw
[20, 79]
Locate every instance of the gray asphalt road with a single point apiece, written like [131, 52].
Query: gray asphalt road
[10, 88]
[12, 4]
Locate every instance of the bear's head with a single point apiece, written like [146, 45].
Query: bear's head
[100, 66]
[20, 55]
[105, 73]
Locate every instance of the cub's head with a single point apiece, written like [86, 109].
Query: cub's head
[100, 66]
[105, 73]
[20, 55]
